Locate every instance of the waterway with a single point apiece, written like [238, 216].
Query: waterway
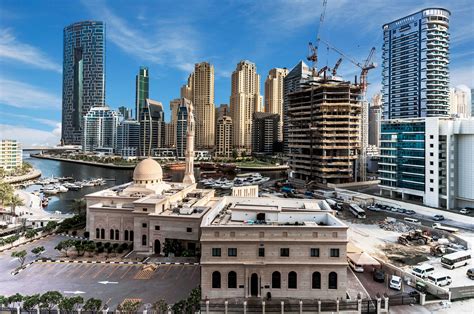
[62, 202]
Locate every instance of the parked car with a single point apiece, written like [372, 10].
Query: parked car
[465, 211]
[402, 210]
[396, 283]
[373, 208]
[379, 275]
[357, 268]
[470, 273]
[393, 209]
[410, 212]
[438, 217]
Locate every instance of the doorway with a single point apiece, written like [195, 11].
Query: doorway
[157, 247]
[254, 285]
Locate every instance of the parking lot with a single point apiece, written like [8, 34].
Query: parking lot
[112, 283]
[373, 287]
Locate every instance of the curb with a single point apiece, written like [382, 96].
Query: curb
[71, 236]
[111, 262]
[16, 272]
[26, 242]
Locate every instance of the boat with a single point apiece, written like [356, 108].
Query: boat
[62, 188]
[44, 201]
[87, 183]
[207, 166]
[175, 166]
[50, 190]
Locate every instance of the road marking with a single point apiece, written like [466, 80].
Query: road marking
[123, 276]
[113, 271]
[85, 272]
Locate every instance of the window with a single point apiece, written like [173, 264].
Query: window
[144, 225]
[102, 233]
[334, 234]
[117, 234]
[261, 251]
[144, 209]
[431, 181]
[316, 283]
[157, 227]
[125, 234]
[261, 217]
[431, 172]
[276, 280]
[144, 239]
[431, 145]
[111, 234]
[431, 163]
[131, 235]
[285, 252]
[189, 229]
[97, 233]
[431, 190]
[334, 253]
[216, 251]
[232, 280]
[314, 252]
[292, 280]
[332, 283]
[232, 251]
[431, 137]
[216, 280]
[431, 154]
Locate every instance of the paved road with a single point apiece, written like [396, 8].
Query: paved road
[373, 287]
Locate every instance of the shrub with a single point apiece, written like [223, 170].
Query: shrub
[107, 245]
[100, 249]
[74, 233]
[86, 234]
[98, 244]
[115, 245]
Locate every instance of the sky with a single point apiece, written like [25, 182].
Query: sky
[170, 36]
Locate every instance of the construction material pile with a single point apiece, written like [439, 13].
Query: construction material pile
[391, 224]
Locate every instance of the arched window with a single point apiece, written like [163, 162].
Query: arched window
[111, 234]
[276, 280]
[102, 233]
[97, 233]
[292, 280]
[316, 280]
[216, 280]
[125, 234]
[131, 235]
[117, 234]
[144, 239]
[332, 283]
[232, 279]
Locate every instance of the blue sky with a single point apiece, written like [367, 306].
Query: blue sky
[170, 36]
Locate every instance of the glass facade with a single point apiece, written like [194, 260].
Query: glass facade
[142, 82]
[100, 129]
[181, 128]
[415, 75]
[83, 76]
[152, 127]
[402, 155]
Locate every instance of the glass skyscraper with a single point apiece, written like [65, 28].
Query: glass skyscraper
[142, 91]
[83, 76]
[415, 74]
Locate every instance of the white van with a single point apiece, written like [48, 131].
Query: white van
[412, 220]
[423, 270]
[440, 279]
[357, 268]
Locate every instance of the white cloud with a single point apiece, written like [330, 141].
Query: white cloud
[48, 122]
[31, 137]
[172, 43]
[22, 95]
[12, 49]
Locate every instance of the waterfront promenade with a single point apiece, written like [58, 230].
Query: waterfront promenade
[33, 174]
[84, 162]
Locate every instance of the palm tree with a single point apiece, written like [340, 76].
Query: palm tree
[6, 192]
[79, 206]
[15, 201]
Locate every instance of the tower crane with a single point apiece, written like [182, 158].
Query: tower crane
[368, 65]
[336, 66]
[313, 49]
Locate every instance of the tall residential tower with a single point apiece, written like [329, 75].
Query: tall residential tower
[274, 95]
[415, 74]
[245, 100]
[83, 76]
[142, 90]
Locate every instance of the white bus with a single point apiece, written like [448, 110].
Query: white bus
[456, 259]
[357, 211]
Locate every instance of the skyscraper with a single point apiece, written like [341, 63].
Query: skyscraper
[142, 90]
[224, 136]
[292, 83]
[152, 127]
[126, 112]
[128, 138]
[83, 76]
[415, 75]
[200, 91]
[100, 129]
[265, 132]
[375, 118]
[245, 99]
[171, 127]
[459, 105]
[182, 127]
[274, 95]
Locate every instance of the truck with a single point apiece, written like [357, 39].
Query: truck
[439, 226]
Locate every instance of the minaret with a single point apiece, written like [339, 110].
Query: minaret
[189, 172]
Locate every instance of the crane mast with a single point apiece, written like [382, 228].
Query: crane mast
[313, 49]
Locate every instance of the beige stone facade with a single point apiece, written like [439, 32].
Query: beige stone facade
[224, 137]
[274, 95]
[286, 248]
[245, 99]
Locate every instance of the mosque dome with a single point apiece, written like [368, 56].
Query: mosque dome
[147, 171]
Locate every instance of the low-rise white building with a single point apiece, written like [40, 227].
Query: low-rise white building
[10, 155]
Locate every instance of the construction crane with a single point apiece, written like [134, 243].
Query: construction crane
[313, 49]
[368, 65]
[336, 66]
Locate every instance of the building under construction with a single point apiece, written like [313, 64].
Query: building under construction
[324, 125]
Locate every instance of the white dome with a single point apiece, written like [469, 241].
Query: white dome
[147, 171]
